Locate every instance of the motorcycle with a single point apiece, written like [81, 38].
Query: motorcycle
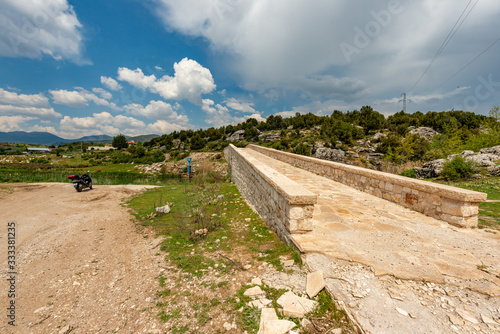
[81, 182]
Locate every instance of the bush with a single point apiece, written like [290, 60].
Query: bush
[302, 149]
[458, 168]
[409, 173]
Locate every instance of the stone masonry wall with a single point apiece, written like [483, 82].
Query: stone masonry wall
[456, 206]
[284, 205]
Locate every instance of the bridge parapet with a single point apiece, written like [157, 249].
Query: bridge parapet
[286, 206]
[456, 206]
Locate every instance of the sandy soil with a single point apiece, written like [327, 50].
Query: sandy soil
[81, 267]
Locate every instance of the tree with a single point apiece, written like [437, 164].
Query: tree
[120, 142]
[197, 143]
[495, 113]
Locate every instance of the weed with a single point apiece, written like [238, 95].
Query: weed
[180, 330]
[161, 280]
[328, 314]
[250, 319]
[296, 258]
[164, 293]
[482, 267]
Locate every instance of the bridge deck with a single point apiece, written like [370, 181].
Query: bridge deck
[355, 226]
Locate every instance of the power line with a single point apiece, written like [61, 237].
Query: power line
[447, 39]
[466, 65]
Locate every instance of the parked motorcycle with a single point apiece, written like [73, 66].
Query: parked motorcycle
[81, 182]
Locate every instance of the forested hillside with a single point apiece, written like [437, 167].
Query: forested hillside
[367, 137]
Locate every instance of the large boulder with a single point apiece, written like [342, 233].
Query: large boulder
[269, 137]
[495, 171]
[236, 136]
[365, 150]
[424, 132]
[375, 158]
[330, 154]
[491, 150]
[430, 169]
[379, 135]
[483, 160]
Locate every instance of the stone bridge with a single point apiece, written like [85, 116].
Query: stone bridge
[401, 255]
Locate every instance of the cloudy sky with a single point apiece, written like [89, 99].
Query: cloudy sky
[76, 68]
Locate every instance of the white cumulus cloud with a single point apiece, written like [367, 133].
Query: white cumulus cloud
[99, 123]
[105, 123]
[37, 105]
[25, 100]
[219, 115]
[240, 106]
[32, 28]
[103, 93]
[110, 83]
[163, 127]
[190, 81]
[136, 77]
[79, 98]
[159, 110]
[12, 123]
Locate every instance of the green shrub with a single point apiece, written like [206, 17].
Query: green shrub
[302, 149]
[409, 173]
[458, 168]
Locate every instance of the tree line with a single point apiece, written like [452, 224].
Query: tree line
[457, 130]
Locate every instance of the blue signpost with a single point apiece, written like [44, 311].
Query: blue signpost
[189, 166]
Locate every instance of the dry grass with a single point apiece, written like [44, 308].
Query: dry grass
[389, 167]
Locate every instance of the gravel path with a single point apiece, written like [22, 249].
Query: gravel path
[81, 266]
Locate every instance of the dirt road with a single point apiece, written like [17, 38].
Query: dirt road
[81, 267]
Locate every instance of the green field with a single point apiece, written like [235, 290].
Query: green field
[106, 175]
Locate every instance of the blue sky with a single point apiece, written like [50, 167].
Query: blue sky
[76, 68]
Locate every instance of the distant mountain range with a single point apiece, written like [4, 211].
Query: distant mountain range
[45, 138]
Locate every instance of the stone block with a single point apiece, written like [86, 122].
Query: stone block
[295, 306]
[255, 292]
[411, 199]
[430, 210]
[387, 195]
[397, 198]
[315, 283]
[299, 226]
[460, 221]
[456, 208]
[389, 186]
[433, 199]
[296, 212]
